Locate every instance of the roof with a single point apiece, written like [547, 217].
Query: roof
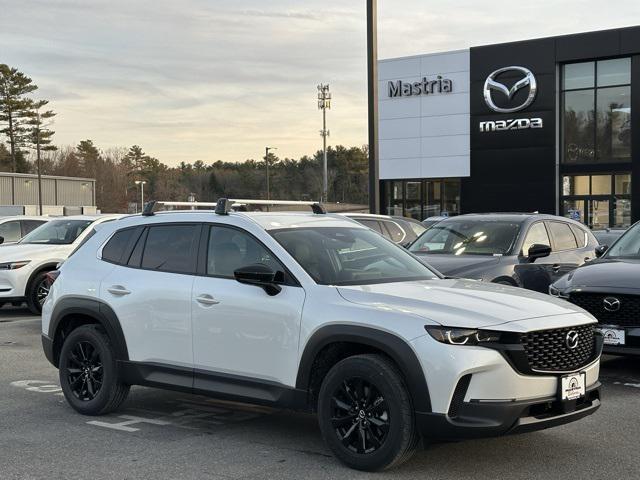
[511, 217]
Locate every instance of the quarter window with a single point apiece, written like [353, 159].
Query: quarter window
[10, 231]
[396, 234]
[171, 248]
[537, 235]
[115, 247]
[562, 236]
[231, 249]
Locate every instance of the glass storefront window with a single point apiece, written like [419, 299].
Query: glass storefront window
[614, 72]
[622, 212]
[451, 203]
[578, 126]
[599, 214]
[601, 184]
[613, 136]
[623, 184]
[575, 185]
[574, 209]
[578, 75]
[421, 199]
[413, 200]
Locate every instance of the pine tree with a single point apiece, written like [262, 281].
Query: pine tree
[39, 137]
[15, 109]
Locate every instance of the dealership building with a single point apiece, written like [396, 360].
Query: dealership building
[549, 125]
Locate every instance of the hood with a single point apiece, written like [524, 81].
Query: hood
[25, 251]
[459, 303]
[610, 274]
[460, 265]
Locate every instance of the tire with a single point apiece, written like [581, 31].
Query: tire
[36, 288]
[389, 440]
[88, 374]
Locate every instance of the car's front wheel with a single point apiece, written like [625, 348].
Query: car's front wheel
[365, 413]
[37, 293]
[88, 374]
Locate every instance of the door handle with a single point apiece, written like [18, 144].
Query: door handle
[556, 268]
[118, 290]
[206, 299]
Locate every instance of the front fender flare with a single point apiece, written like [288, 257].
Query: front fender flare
[393, 346]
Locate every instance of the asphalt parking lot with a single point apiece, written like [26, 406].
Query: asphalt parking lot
[159, 434]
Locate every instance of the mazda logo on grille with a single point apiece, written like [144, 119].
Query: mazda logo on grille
[491, 84]
[572, 339]
[611, 304]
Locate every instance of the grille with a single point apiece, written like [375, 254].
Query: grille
[628, 315]
[547, 350]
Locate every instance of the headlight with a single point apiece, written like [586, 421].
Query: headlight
[462, 336]
[13, 265]
[554, 292]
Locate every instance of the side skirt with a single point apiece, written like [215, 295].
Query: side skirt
[213, 384]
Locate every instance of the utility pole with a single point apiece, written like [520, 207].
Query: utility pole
[324, 104]
[372, 90]
[38, 164]
[266, 162]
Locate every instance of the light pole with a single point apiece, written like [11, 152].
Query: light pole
[324, 104]
[266, 161]
[372, 94]
[142, 184]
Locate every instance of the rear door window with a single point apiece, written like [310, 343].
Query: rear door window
[171, 248]
[563, 237]
[581, 236]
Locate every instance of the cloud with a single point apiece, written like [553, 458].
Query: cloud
[212, 79]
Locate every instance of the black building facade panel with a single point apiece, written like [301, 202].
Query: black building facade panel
[584, 46]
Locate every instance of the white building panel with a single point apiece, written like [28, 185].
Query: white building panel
[425, 135]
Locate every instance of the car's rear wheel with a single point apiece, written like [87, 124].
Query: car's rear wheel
[365, 413]
[37, 293]
[88, 374]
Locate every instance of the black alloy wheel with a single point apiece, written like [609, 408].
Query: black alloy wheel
[88, 371]
[84, 371]
[365, 413]
[42, 290]
[360, 415]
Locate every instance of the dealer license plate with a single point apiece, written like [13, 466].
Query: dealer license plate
[613, 336]
[572, 386]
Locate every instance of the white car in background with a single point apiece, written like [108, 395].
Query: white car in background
[25, 264]
[13, 228]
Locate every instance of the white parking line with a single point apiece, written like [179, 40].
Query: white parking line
[129, 420]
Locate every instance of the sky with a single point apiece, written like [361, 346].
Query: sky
[218, 80]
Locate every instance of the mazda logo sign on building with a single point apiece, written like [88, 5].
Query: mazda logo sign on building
[493, 87]
[572, 339]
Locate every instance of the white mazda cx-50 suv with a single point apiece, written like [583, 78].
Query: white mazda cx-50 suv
[317, 313]
[24, 266]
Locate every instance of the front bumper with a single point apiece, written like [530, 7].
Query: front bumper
[488, 419]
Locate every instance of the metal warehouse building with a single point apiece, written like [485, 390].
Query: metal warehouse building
[60, 195]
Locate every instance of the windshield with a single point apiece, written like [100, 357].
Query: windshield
[57, 232]
[627, 246]
[350, 256]
[468, 237]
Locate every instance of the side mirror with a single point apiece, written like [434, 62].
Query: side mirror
[538, 250]
[601, 249]
[258, 275]
[1, 240]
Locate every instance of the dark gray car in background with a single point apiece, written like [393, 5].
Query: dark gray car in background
[527, 250]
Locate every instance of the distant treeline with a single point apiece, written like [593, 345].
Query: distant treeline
[116, 171]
